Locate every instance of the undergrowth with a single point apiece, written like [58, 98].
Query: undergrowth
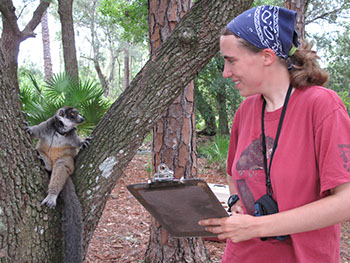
[215, 151]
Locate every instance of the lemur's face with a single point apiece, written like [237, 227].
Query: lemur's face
[67, 118]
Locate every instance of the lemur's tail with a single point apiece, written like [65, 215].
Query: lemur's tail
[72, 224]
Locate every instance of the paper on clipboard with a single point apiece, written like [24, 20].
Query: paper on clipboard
[178, 205]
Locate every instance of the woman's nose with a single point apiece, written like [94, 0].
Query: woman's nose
[227, 71]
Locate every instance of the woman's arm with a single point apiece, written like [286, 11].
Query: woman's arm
[237, 207]
[325, 212]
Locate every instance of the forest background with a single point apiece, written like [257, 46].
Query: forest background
[112, 46]
[111, 39]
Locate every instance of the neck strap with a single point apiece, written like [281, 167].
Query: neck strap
[269, 189]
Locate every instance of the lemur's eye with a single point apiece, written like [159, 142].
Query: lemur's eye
[73, 114]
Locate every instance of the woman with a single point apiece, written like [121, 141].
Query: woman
[307, 173]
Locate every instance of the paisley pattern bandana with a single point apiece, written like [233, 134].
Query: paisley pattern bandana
[267, 27]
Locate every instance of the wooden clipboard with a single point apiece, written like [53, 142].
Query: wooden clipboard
[178, 205]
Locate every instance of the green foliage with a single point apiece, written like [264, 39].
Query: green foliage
[211, 84]
[132, 16]
[215, 151]
[345, 97]
[39, 104]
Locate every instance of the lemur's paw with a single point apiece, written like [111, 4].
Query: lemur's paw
[27, 128]
[86, 142]
[50, 201]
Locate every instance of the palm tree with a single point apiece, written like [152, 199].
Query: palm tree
[40, 103]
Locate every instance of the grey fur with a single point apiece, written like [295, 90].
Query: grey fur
[58, 144]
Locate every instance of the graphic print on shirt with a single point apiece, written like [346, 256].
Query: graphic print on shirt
[344, 150]
[249, 162]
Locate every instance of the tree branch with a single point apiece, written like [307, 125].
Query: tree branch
[193, 42]
[8, 12]
[28, 31]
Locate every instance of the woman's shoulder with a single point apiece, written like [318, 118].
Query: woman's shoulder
[318, 96]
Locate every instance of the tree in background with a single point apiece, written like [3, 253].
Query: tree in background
[65, 10]
[12, 36]
[115, 139]
[215, 96]
[45, 35]
[173, 140]
[131, 16]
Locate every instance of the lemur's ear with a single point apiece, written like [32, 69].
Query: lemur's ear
[61, 113]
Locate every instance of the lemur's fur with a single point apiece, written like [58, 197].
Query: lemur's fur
[58, 144]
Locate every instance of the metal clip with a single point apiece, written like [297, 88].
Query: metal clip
[163, 174]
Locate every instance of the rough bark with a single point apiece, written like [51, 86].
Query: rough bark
[45, 35]
[65, 10]
[28, 232]
[173, 140]
[23, 223]
[300, 6]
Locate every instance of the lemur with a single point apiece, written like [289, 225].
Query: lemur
[58, 144]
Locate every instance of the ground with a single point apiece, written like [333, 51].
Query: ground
[123, 231]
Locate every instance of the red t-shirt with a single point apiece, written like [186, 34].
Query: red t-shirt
[312, 157]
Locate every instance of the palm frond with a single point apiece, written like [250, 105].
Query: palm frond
[57, 86]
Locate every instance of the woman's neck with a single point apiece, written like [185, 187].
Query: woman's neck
[276, 91]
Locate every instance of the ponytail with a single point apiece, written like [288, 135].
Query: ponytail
[305, 69]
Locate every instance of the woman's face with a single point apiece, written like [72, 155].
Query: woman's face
[244, 67]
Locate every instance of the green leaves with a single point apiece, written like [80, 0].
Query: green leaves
[39, 104]
[216, 151]
[132, 16]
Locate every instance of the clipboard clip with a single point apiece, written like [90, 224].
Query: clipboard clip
[163, 174]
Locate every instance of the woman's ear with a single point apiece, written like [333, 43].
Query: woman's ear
[269, 56]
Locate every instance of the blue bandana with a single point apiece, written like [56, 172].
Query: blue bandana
[267, 27]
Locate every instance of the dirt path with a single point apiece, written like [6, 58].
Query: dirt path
[123, 231]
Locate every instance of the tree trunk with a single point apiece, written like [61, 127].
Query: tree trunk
[45, 34]
[300, 6]
[31, 233]
[173, 141]
[206, 112]
[223, 119]
[65, 10]
[126, 66]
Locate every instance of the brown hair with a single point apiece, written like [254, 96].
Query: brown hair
[305, 69]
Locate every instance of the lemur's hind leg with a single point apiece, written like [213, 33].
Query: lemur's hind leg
[61, 170]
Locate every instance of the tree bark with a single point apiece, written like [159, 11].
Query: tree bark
[173, 140]
[65, 10]
[29, 232]
[45, 34]
[300, 6]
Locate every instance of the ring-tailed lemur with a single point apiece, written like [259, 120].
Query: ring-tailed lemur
[58, 144]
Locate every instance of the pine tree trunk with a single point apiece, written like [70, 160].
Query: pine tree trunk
[300, 7]
[173, 141]
[45, 34]
[65, 10]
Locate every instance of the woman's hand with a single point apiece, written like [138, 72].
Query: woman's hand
[237, 227]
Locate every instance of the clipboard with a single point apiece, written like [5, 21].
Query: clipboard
[178, 205]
